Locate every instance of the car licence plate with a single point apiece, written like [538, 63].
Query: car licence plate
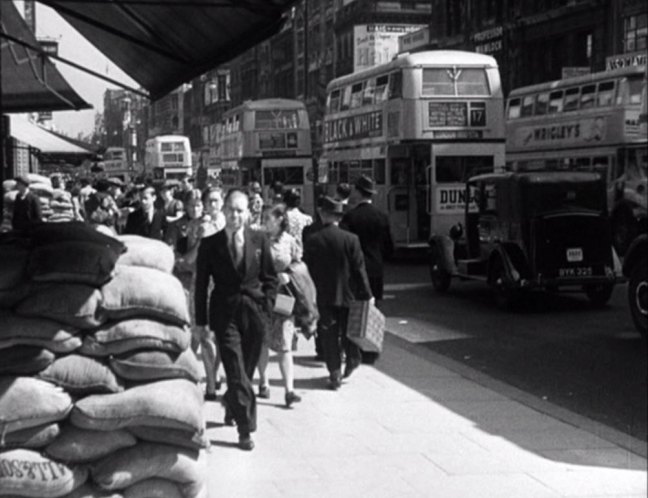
[582, 271]
[574, 254]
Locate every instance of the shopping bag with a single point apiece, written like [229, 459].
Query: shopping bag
[366, 326]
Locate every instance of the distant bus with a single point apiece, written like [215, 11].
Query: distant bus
[420, 125]
[115, 163]
[168, 157]
[267, 141]
[590, 122]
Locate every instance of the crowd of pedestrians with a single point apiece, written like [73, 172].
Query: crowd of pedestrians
[258, 273]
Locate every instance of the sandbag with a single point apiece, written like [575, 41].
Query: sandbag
[13, 266]
[28, 473]
[174, 437]
[137, 291]
[33, 437]
[89, 490]
[150, 253]
[21, 331]
[148, 460]
[24, 360]
[42, 190]
[73, 262]
[71, 304]
[36, 178]
[156, 365]
[81, 376]
[130, 335]
[74, 231]
[76, 445]
[176, 404]
[153, 488]
[27, 402]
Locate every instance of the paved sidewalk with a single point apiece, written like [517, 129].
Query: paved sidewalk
[409, 427]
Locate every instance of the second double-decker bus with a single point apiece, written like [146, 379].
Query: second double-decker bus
[168, 157]
[590, 122]
[420, 125]
[267, 141]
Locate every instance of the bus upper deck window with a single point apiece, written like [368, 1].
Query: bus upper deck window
[356, 95]
[555, 102]
[369, 91]
[382, 83]
[346, 98]
[527, 106]
[437, 82]
[634, 90]
[471, 81]
[334, 101]
[605, 93]
[395, 85]
[572, 96]
[514, 109]
[588, 95]
[166, 147]
[541, 104]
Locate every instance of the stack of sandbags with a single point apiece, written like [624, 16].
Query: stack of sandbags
[62, 207]
[41, 186]
[98, 387]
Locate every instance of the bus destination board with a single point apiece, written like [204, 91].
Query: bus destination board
[442, 114]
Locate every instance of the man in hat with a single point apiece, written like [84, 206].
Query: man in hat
[27, 209]
[334, 259]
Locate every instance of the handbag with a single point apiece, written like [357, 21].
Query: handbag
[366, 326]
[284, 303]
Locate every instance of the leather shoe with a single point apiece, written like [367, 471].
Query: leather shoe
[291, 398]
[245, 442]
[335, 382]
[264, 392]
[350, 367]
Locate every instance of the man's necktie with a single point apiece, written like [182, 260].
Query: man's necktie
[236, 248]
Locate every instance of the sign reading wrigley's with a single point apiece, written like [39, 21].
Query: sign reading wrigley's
[351, 127]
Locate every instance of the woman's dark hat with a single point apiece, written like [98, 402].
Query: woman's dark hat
[365, 184]
[330, 205]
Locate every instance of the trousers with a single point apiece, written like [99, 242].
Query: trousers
[333, 323]
[240, 340]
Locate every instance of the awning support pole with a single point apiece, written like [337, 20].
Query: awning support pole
[73, 64]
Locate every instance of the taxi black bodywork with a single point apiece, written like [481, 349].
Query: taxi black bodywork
[530, 230]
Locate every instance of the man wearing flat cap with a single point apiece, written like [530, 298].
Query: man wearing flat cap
[27, 209]
[336, 264]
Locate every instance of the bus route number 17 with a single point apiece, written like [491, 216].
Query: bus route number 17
[477, 114]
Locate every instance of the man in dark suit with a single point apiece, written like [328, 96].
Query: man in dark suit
[146, 220]
[336, 264]
[27, 209]
[238, 261]
[372, 228]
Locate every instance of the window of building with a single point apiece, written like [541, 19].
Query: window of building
[555, 102]
[635, 31]
[527, 106]
[605, 93]
[514, 109]
[356, 95]
[541, 104]
[572, 96]
[588, 96]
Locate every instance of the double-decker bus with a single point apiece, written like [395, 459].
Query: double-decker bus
[420, 125]
[589, 122]
[168, 157]
[267, 141]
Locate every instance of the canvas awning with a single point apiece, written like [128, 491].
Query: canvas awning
[164, 43]
[30, 82]
[42, 139]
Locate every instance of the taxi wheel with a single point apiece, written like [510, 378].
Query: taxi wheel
[440, 278]
[638, 296]
[599, 294]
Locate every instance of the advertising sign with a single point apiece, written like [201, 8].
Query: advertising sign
[361, 126]
[488, 41]
[577, 132]
[375, 44]
[414, 40]
[625, 60]
[451, 199]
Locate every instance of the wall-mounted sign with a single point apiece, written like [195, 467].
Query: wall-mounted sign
[625, 60]
[414, 40]
[375, 44]
[488, 41]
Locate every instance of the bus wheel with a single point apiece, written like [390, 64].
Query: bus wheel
[624, 230]
[638, 296]
[599, 294]
[439, 276]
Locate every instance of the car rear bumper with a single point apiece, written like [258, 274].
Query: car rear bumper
[570, 281]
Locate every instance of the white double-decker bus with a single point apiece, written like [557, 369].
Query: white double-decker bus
[420, 125]
[590, 122]
[168, 157]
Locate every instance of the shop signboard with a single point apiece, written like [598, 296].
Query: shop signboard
[625, 60]
[488, 41]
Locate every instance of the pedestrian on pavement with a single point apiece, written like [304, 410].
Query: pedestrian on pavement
[256, 211]
[173, 208]
[213, 217]
[26, 209]
[146, 220]
[238, 261]
[285, 251]
[297, 219]
[335, 261]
